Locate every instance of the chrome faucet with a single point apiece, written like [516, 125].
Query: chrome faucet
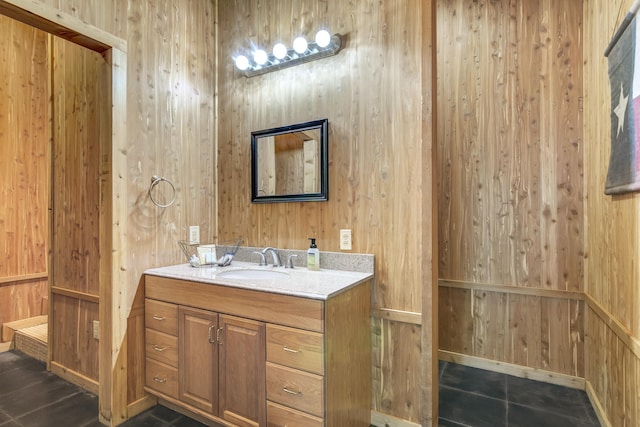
[274, 254]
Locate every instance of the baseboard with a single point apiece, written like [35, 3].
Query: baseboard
[512, 369]
[6, 346]
[74, 377]
[141, 405]
[379, 419]
[597, 406]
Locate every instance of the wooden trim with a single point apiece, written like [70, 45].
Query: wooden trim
[518, 290]
[512, 369]
[74, 377]
[75, 294]
[597, 406]
[621, 331]
[141, 405]
[398, 315]
[192, 412]
[380, 419]
[15, 280]
[6, 346]
[40, 15]
[136, 311]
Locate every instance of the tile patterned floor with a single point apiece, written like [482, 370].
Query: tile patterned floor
[479, 398]
[32, 397]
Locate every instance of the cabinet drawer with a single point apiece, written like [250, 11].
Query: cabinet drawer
[297, 389]
[162, 378]
[161, 316]
[161, 347]
[295, 348]
[281, 416]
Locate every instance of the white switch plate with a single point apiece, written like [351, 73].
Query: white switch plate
[194, 234]
[345, 240]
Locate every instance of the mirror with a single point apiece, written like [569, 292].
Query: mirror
[290, 163]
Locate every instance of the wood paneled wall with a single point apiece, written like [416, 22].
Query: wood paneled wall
[510, 234]
[170, 52]
[25, 132]
[79, 129]
[377, 95]
[612, 271]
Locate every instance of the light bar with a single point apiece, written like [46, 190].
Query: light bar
[281, 56]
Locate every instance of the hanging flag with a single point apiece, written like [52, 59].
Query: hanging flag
[624, 76]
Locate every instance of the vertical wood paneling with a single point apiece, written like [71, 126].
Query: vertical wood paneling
[170, 117]
[24, 149]
[396, 348]
[611, 269]
[72, 342]
[170, 128]
[510, 177]
[509, 134]
[76, 143]
[372, 93]
[79, 123]
[22, 300]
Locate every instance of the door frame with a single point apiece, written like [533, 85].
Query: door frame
[112, 389]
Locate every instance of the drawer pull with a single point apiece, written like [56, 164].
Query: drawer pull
[158, 348]
[288, 390]
[159, 380]
[291, 350]
[156, 317]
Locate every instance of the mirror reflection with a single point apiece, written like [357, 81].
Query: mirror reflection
[289, 163]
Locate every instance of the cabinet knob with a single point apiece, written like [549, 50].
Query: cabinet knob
[158, 348]
[159, 380]
[291, 350]
[156, 317]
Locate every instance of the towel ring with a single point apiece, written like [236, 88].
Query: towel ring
[155, 180]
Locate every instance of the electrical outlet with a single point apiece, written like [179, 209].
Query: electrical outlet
[345, 240]
[194, 234]
[96, 329]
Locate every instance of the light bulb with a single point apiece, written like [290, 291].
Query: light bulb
[260, 56]
[323, 38]
[300, 45]
[279, 51]
[242, 62]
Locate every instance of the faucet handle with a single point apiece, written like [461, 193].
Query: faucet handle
[290, 261]
[263, 260]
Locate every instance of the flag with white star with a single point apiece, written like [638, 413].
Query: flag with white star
[624, 76]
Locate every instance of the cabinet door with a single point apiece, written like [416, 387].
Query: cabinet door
[198, 358]
[242, 371]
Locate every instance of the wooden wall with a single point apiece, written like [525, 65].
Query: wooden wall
[80, 127]
[170, 52]
[377, 95]
[612, 273]
[25, 133]
[510, 147]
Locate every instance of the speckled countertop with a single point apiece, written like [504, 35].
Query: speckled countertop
[299, 281]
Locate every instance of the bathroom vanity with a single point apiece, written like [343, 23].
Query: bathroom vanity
[241, 346]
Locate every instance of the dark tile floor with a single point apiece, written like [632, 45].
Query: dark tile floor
[478, 398]
[32, 397]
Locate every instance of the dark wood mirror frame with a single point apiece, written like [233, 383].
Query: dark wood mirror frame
[304, 176]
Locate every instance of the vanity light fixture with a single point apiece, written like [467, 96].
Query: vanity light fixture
[302, 51]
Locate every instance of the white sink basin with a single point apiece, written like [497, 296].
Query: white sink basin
[249, 274]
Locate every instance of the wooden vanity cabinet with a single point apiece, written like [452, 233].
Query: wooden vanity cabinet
[255, 358]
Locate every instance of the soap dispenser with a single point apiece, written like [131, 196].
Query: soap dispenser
[313, 256]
